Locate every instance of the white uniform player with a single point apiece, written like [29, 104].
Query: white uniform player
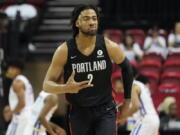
[19, 119]
[147, 118]
[43, 107]
[38, 127]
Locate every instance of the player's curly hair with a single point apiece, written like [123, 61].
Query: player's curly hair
[75, 14]
[16, 62]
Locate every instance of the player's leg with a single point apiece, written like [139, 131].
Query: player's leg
[136, 129]
[39, 129]
[22, 123]
[149, 126]
[80, 120]
[12, 128]
[106, 123]
[155, 125]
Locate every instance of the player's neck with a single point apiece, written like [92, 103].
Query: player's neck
[84, 41]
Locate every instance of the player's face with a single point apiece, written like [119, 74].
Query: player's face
[87, 22]
[12, 71]
[177, 28]
[118, 86]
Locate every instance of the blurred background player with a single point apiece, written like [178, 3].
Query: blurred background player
[147, 120]
[21, 97]
[41, 113]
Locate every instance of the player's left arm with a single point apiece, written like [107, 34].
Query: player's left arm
[118, 57]
[134, 101]
[58, 129]
[135, 105]
[50, 102]
[19, 89]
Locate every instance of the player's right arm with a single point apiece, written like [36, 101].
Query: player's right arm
[19, 89]
[134, 107]
[49, 103]
[55, 70]
[134, 100]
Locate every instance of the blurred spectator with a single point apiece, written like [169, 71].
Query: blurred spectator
[174, 39]
[155, 43]
[3, 21]
[164, 106]
[171, 121]
[27, 11]
[3, 31]
[132, 50]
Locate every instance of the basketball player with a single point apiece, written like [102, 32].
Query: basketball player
[41, 113]
[142, 108]
[20, 98]
[87, 63]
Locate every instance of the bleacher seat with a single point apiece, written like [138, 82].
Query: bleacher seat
[172, 66]
[115, 35]
[174, 56]
[138, 35]
[152, 56]
[170, 78]
[115, 75]
[150, 65]
[169, 88]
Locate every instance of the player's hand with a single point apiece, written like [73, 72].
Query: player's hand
[7, 113]
[74, 87]
[121, 121]
[60, 131]
[124, 108]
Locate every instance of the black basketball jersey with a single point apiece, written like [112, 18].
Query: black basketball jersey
[96, 67]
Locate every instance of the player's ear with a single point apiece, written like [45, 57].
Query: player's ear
[77, 23]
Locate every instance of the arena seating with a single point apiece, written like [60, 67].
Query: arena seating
[174, 56]
[115, 35]
[170, 78]
[138, 34]
[152, 56]
[172, 66]
[150, 65]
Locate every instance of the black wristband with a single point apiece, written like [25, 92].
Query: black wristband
[127, 76]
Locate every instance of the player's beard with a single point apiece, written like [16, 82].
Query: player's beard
[89, 33]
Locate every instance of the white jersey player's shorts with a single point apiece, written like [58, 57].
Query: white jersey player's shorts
[33, 126]
[148, 125]
[37, 129]
[17, 125]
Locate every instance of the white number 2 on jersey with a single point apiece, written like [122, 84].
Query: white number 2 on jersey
[90, 77]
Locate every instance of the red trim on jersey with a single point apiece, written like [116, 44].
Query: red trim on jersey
[70, 127]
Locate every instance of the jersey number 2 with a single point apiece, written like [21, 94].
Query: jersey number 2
[90, 77]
